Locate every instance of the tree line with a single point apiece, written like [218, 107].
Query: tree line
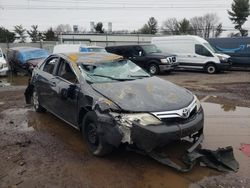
[205, 26]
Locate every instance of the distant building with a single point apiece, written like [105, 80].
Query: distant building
[92, 27]
[110, 27]
[106, 39]
[75, 29]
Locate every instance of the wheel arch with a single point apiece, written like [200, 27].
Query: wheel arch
[209, 63]
[28, 93]
[82, 113]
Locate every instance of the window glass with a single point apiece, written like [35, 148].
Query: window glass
[50, 65]
[118, 70]
[201, 50]
[66, 72]
[149, 49]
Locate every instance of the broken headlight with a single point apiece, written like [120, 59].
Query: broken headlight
[141, 118]
[198, 103]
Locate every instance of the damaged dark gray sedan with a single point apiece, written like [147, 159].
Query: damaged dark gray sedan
[113, 101]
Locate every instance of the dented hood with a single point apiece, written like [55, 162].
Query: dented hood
[145, 95]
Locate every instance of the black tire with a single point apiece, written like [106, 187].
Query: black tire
[211, 68]
[36, 103]
[153, 69]
[95, 142]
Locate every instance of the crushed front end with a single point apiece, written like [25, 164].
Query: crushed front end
[148, 131]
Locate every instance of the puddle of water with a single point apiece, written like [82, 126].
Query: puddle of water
[228, 126]
[14, 80]
[222, 128]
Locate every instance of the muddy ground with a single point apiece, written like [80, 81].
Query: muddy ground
[39, 150]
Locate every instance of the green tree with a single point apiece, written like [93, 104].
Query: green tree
[6, 35]
[20, 31]
[34, 33]
[184, 27]
[145, 29]
[153, 25]
[50, 35]
[99, 28]
[239, 14]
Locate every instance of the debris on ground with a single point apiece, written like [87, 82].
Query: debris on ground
[221, 159]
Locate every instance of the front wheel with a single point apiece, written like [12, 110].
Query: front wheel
[211, 68]
[153, 69]
[95, 142]
[36, 103]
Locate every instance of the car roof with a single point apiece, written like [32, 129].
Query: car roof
[90, 58]
[129, 45]
[24, 48]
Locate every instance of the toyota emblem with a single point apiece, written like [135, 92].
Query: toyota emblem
[185, 113]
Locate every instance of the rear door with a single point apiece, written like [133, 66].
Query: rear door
[46, 83]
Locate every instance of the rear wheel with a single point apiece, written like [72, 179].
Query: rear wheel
[211, 68]
[153, 69]
[36, 103]
[96, 143]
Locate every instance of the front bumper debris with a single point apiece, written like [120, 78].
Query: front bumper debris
[148, 138]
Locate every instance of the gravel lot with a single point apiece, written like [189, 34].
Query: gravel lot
[39, 150]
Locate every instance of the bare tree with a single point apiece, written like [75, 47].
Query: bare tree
[63, 28]
[205, 26]
[197, 25]
[218, 30]
[170, 26]
[210, 21]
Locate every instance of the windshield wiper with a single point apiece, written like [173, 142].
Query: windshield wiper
[110, 77]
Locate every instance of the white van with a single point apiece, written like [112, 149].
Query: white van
[3, 64]
[71, 48]
[193, 52]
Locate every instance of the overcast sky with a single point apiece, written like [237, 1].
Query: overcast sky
[124, 14]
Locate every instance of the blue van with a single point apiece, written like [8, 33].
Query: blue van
[238, 48]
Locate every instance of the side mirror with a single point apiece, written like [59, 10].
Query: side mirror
[4, 56]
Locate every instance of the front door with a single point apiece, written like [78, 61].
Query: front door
[67, 93]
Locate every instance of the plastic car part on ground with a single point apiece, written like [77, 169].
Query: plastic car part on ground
[245, 148]
[221, 159]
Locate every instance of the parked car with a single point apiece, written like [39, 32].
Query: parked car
[24, 59]
[111, 101]
[194, 52]
[69, 48]
[3, 64]
[238, 48]
[148, 57]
